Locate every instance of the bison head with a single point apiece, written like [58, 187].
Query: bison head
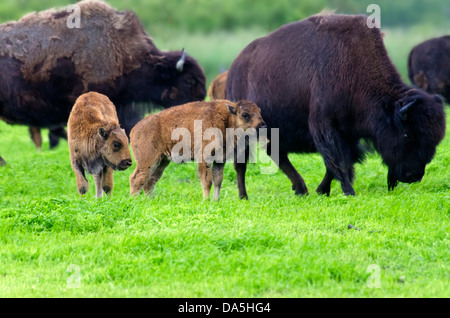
[180, 80]
[114, 150]
[413, 131]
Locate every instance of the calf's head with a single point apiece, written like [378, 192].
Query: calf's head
[114, 150]
[409, 141]
[248, 115]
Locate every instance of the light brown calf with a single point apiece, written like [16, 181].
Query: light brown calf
[97, 144]
[154, 140]
[216, 89]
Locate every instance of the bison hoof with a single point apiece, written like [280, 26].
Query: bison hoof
[299, 190]
[323, 191]
[243, 197]
[82, 190]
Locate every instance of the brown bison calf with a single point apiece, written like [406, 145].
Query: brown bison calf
[216, 89]
[155, 138]
[97, 144]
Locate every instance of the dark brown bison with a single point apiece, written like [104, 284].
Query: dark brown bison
[327, 83]
[46, 63]
[429, 66]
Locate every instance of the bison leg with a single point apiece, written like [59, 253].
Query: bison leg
[107, 179]
[82, 183]
[325, 185]
[338, 155]
[137, 180]
[55, 134]
[298, 184]
[2, 162]
[35, 134]
[98, 179]
[155, 174]
[241, 168]
[205, 176]
[217, 178]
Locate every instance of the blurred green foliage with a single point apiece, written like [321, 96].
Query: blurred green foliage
[212, 15]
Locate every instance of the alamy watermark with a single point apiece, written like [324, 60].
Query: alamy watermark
[374, 280]
[208, 146]
[74, 19]
[373, 20]
[74, 279]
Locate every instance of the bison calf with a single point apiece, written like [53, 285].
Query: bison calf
[153, 142]
[97, 144]
[216, 89]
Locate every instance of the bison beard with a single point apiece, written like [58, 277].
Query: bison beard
[327, 83]
[46, 66]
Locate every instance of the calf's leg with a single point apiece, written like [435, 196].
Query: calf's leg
[205, 176]
[155, 174]
[82, 183]
[98, 179]
[217, 178]
[107, 179]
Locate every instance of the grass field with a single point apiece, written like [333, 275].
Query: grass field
[174, 244]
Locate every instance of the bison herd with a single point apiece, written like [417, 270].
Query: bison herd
[325, 82]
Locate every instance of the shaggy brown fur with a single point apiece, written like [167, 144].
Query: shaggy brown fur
[152, 140]
[97, 144]
[217, 88]
[101, 26]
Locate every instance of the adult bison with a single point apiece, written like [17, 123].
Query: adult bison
[327, 82]
[429, 66]
[47, 61]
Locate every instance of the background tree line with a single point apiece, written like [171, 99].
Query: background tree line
[212, 15]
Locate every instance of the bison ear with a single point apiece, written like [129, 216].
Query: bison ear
[231, 109]
[438, 99]
[102, 132]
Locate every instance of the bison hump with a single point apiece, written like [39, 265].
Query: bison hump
[106, 44]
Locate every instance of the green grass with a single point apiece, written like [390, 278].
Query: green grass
[174, 244]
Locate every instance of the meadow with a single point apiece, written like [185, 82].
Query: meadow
[175, 244]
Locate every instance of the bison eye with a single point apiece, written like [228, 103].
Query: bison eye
[117, 146]
[245, 116]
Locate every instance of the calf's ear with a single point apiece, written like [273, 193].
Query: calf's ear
[231, 109]
[102, 132]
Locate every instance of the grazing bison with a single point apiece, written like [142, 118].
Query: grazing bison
[429, 66]
[216, 89]
[326, 83]
[153, 141]
[97, 144]
[46, 63]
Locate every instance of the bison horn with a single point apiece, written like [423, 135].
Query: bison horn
[405, 108]
[181, 61]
